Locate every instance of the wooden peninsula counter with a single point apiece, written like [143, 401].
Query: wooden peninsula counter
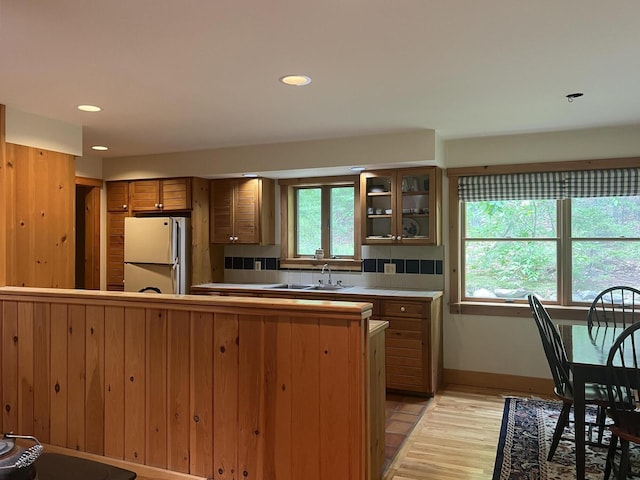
[189, 386]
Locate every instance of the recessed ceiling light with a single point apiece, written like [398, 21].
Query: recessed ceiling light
[89, 108]
[296, 80]
[250, 175]
[100, 148]
[358, 169]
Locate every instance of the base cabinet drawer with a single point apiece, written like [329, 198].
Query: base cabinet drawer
[413, 345]
[405, 382]
[394, 308]
[405, 361]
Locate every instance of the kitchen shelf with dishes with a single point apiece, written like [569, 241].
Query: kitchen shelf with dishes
[401, 207]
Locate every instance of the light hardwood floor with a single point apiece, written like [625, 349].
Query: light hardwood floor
[456, 438]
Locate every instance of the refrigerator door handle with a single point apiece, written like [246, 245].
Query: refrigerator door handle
[174, 274]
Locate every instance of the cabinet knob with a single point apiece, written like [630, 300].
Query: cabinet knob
[155, 205]
[235, 239]
[124, 207]
[231, 238]
[393, 237]
[402, 309]
[160, 205]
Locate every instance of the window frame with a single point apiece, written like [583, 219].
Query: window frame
[288, 237]
[557, 240]
[565, 308]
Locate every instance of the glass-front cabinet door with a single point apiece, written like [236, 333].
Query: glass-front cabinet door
[401, 206]
[379, 193]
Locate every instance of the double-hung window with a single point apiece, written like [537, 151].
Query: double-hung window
[320, 214]
[564, 236]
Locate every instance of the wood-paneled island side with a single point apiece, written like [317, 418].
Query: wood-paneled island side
[189, 386]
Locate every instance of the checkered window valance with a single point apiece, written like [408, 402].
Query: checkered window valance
[620, 182]
[550, 185]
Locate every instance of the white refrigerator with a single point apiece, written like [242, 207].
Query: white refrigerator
[156, 254]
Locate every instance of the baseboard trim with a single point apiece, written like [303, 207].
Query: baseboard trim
[540, 386]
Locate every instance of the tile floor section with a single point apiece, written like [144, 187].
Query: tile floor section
[402, 415]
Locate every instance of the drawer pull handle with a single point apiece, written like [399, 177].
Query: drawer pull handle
[402, 309]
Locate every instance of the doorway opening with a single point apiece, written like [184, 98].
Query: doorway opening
[87, 258]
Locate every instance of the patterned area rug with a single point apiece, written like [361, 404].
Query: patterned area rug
[525, 438]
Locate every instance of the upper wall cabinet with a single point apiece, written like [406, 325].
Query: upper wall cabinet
[163, 195]
[187, 196]
[243, 211]
[401, 207]
[118, 196]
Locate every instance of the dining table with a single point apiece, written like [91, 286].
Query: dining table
[587, 352]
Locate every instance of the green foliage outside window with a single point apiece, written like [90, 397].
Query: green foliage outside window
[342, 202]
[512, 247]
[309, 231]
[309, 220]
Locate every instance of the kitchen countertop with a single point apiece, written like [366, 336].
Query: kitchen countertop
[376, 326]
[356, 291]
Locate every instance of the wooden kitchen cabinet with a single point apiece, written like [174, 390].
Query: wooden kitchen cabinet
[401, 206]
[117, 196]
[160, 195]
[115, 250]
[188, 196]
[243, 211]
[413, 341]
[118, 208]
[413, 344]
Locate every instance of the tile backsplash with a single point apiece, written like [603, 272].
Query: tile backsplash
[416, 267]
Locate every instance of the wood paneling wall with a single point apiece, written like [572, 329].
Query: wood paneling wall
[37, 216]
[217, 387]
[4, 199]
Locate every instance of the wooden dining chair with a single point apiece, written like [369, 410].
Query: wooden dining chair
[561, 372]
[615, 307]
[623, 381]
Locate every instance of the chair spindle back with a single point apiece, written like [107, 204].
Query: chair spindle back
[615, 307]
[553, 347]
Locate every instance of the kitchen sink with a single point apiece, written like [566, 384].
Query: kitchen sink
[294, 286]
[328, 287]
[306, 286]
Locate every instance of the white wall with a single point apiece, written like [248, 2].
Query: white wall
[310, 158]
[512, 345]
[89, 167]
[31, 130]
[588, 144]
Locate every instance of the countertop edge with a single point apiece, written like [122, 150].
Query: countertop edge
[377, 326]
[389, 293]
[58, 295]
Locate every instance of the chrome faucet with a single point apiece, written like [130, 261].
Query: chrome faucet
[326, 267]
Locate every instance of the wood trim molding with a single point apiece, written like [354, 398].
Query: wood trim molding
[89, 182]
[346, 179]
[4, 200]
[596, 164]
[535, 385]
[455, 281]
[287, 221]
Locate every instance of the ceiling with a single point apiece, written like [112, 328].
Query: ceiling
[199, 74]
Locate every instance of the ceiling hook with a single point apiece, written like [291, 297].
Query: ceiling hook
[572, 96]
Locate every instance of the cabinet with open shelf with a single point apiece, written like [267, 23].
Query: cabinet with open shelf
[401, 206]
